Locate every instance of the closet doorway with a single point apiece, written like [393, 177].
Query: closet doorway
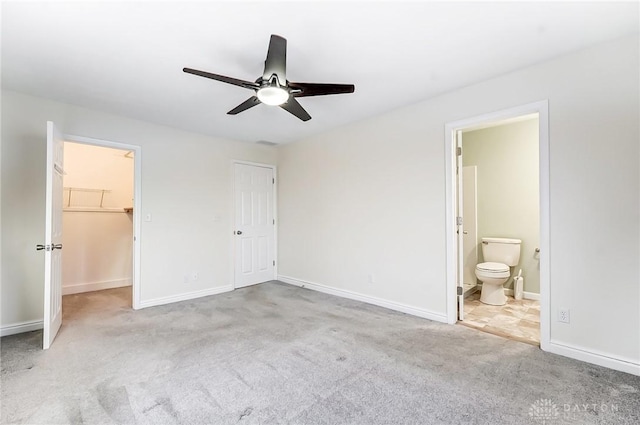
[98, 222]
[90, 198]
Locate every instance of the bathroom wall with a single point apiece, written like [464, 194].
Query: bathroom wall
[507, 161]
[98, 242]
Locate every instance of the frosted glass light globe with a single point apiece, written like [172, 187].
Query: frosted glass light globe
[273, 96]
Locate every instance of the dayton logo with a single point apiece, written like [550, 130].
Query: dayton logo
[544, 411]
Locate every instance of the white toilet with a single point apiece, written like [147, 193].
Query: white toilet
[499, 255]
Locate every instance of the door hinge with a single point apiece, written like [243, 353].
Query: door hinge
[274, 221]
[459, 290]
[273, 180]
[459, 221]
[458, 151]
[274, 262]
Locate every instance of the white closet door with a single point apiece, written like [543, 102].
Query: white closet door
[254, 225]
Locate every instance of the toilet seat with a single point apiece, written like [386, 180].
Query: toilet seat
[490, 267]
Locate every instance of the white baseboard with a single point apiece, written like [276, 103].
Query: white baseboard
[185, 296]
[595, 357]
[391, 305]
[525, 295]
[95, 286]
[21, 327]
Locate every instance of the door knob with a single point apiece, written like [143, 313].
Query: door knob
[239, 232]
[48, 247]
[465, 232]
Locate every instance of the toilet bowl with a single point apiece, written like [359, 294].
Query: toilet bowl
[499, 254]
[493, 276]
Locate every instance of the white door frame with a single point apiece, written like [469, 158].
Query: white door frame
[542, 109]
[137, 202]
[459, 192]
[233, 215]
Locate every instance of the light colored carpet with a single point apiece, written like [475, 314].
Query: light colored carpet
[274, 353]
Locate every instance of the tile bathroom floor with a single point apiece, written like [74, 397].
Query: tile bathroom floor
[517, 319]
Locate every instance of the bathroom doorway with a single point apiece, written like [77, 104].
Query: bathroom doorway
[497, 187]
[500, 199]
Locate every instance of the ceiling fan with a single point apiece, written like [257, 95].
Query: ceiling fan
[273, 88]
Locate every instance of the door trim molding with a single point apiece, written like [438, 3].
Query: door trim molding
[137, 203]
[542, 109]
[232, 246]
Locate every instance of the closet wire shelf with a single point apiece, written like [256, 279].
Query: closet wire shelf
[78, 199]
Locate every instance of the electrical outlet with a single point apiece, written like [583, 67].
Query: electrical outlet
[185, 278]
[563, 315]
[195, 275]
[372, 278]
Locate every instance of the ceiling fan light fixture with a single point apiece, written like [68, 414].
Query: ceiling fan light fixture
[274, 96]
[273, 88]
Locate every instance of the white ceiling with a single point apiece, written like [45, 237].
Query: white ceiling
[127, 58]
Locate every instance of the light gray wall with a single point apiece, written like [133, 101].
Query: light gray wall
[186, 180]
[370, 198]
[508, 190]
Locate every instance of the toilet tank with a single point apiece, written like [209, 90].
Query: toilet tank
[501, 250]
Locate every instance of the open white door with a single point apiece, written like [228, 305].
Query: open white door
[470, 224]
[459, 225]
[53, 236]
[254, 225]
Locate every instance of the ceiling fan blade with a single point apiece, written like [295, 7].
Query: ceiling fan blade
[292, 106]
[276, 62]
[228, 80]
[249, 103]
[313, 89]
